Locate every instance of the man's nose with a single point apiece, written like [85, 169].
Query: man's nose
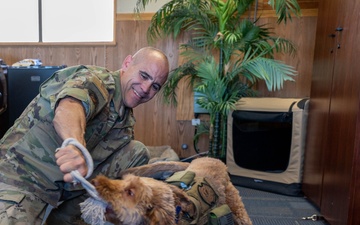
[146, 87]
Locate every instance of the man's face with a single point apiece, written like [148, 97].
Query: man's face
[140, 81]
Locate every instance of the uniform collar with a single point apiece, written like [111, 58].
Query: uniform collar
[117, 99]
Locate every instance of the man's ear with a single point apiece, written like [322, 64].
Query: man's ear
[126, 62]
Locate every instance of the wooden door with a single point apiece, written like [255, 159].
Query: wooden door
[337, 196]
[325, 48]
[334, 114]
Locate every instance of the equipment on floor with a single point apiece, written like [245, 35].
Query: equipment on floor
[266, 144]
[23, 86]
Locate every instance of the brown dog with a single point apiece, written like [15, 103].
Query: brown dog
[139, 199]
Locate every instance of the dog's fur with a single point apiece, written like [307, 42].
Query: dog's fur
[139, 199]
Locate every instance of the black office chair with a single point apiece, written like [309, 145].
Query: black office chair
[3, 87]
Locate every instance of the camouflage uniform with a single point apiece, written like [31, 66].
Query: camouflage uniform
[28, 170]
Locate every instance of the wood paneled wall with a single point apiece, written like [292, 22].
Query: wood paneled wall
[158, 124]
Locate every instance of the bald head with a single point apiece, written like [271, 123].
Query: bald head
[142, 75]
[150, 52]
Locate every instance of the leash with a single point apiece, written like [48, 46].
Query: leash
[92, 209]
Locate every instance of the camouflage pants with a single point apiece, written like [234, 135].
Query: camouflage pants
[22, 208]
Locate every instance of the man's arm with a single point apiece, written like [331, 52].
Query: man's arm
[70, 122]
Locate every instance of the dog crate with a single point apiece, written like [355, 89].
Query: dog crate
[266, 143]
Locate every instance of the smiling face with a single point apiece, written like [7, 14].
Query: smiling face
[142, 76]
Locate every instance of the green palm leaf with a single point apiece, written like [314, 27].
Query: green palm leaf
[284, 8]
[244, 53]
[273, 72]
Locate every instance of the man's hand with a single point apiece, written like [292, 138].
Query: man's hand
[69, 122]
[69, 159]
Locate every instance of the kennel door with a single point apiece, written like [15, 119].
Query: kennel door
[263, 140]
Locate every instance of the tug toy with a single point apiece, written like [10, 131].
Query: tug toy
[93, 208]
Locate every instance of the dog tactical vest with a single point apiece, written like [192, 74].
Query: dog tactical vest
[201, 194]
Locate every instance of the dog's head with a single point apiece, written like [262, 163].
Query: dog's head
[128, 199]
[136, 200]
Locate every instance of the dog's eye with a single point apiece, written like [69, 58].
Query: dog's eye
[130, 192]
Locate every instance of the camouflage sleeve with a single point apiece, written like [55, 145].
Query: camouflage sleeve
[80, 82]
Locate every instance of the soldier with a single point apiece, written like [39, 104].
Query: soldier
[90, 104]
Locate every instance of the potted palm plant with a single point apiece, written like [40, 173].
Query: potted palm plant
[225, 55]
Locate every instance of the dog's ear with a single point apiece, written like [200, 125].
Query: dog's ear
[183, 200]
[157, 210]
[161, 216]
[179, 194]
[164, 213]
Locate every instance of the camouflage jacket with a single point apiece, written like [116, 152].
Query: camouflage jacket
[27, 149]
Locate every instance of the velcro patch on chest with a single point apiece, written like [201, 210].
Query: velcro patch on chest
[202, 191]
[207, 193]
